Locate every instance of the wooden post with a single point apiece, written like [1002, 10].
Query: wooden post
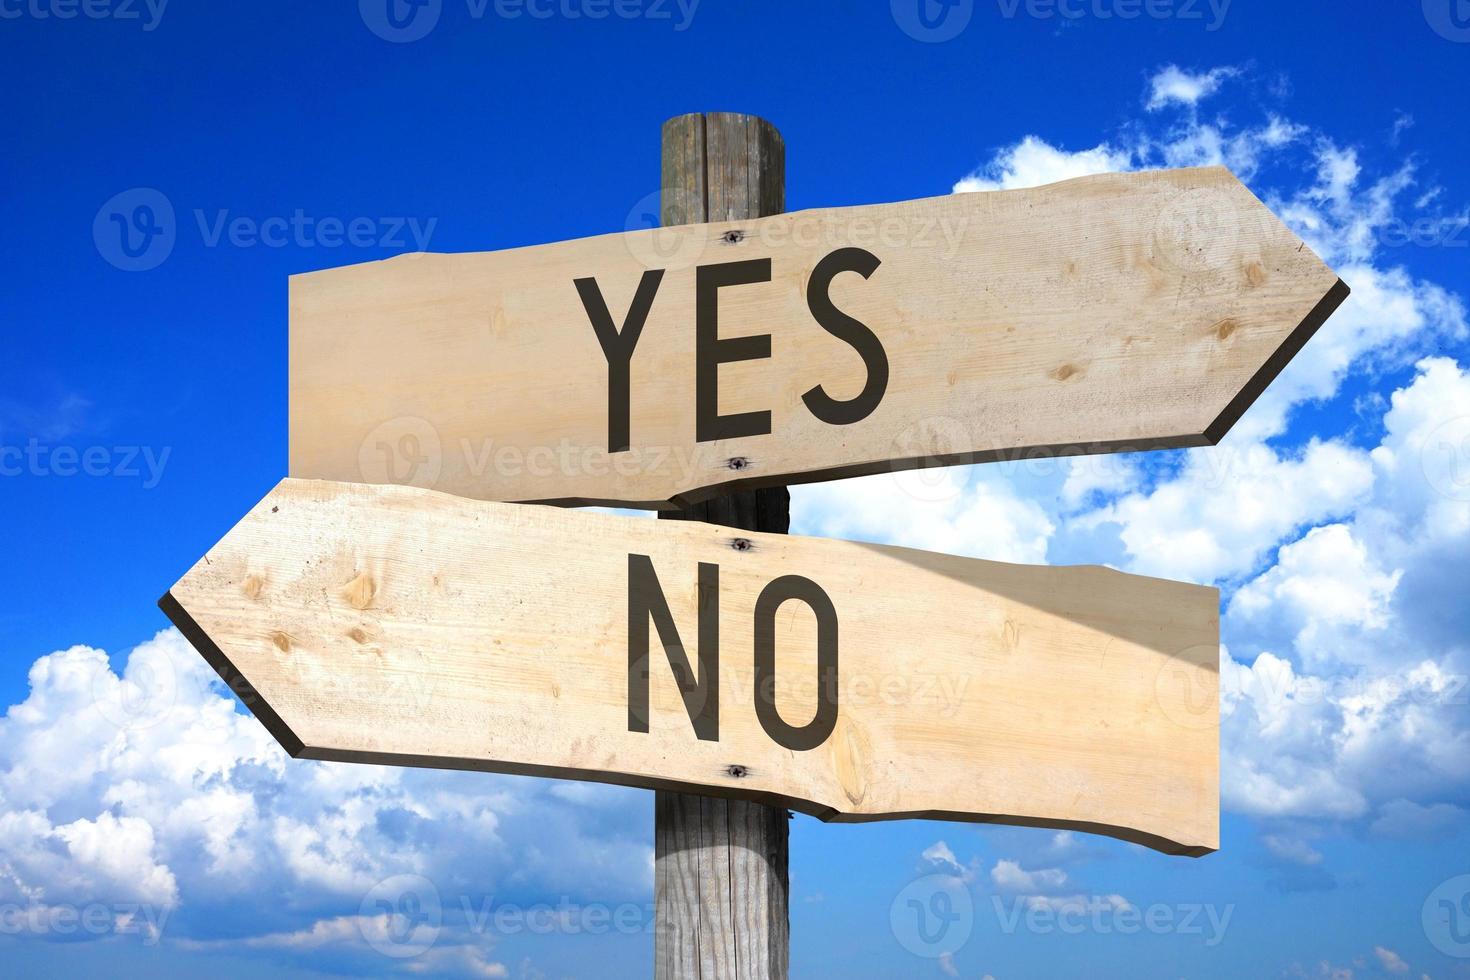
[720, 879]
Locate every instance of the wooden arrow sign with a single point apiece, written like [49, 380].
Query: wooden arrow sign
[1125, 311]
[849, 681]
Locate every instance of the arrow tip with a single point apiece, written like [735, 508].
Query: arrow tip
[234, 680]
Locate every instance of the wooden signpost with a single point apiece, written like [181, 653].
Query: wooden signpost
[720, 879]
[698, 370]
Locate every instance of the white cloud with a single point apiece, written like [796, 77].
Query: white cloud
[1390, 960]
[71, 863]
[1173, 85]
[151, 789]
[1312, 747]
[1322, 584]
[1279, 737]
[1033, 162]
[1108, 475]
[1010, 876]
[378, 941]
[1424, 460]
[1375, 722]
[1077, 905]
[940, 854]
[939, 858]
[934, 509]
[1408, 820]
[1292, 849]
[1231, 504]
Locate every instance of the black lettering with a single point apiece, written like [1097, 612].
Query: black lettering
[702, 694]
[815, 732]
[854, 332]
[710, 351]
[617, 347]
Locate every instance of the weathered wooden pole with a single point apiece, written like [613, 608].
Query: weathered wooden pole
[720, 880]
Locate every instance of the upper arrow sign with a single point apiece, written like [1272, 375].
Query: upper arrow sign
[1115, 312]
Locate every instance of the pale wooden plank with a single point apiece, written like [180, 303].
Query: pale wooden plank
[401, 626]
[1119, 311]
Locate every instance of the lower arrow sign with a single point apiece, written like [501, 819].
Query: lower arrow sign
[849, 681]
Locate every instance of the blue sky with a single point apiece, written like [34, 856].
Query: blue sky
[1335, 518]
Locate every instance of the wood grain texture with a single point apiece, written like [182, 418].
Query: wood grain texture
[721, 882]
[400, 626]
[1120, 311]
[721, 888]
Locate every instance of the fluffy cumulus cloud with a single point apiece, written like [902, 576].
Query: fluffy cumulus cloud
[149, 801]
[1173, 85]
[1389, 960]
[939, 855]
[1336, 520]
[946, 510]
[1033, 161]
[1230, 506]
[1010, 876]
[1014, 889]
[1355, 705]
